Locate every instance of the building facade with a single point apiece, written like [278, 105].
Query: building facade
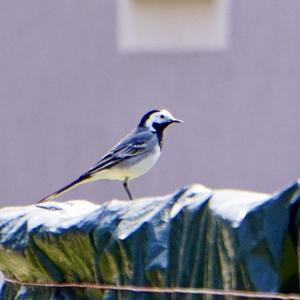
[75, 76]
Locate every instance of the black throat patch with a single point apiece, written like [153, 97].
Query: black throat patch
[159, 128]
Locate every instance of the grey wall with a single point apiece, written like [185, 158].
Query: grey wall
[67, 95]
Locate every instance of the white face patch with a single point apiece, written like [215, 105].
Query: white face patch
[160, 117]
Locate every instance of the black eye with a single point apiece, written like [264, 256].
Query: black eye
[162, 116]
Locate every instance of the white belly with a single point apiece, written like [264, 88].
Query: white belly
[130, 171]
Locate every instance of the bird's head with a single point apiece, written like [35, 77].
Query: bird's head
[157, 120]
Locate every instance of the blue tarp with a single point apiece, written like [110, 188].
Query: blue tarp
[195, 237]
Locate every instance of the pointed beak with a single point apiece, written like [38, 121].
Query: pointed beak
[176, 121]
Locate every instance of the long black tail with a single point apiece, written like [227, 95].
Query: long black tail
[66, 188]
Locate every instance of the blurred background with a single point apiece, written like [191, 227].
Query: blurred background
[76, 76]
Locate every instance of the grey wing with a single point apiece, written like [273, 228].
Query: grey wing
[132, 145]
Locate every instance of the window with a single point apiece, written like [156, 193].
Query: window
[173, 25]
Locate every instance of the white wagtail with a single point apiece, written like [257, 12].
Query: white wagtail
[132, 157]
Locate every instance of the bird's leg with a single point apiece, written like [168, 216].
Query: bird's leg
[125, 184]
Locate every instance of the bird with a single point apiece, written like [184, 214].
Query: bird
[132, 157]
